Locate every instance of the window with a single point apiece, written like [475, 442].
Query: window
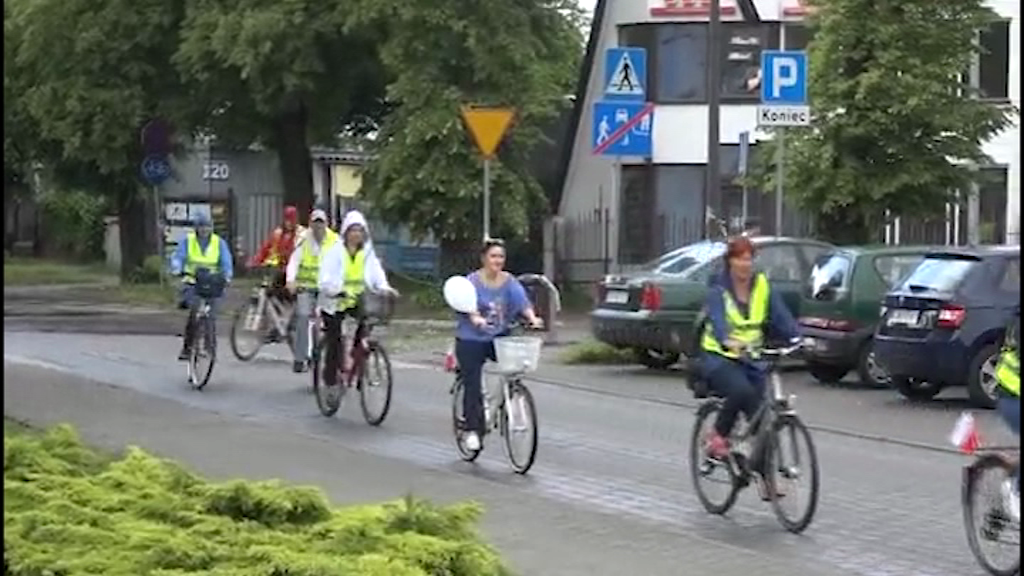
[994, 61]
[638, 36]
[938, 274]
[780, 263]
[741, 60]
[892, 269]
[680, 63]
[1011, 277]
[992, 197]
[635, 211]
[829, 271]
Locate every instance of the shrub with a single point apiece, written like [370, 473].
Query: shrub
[594, 352]
[69, 511]
[149, 273]
[73, 221]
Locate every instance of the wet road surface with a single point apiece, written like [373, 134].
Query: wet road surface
[610, 493]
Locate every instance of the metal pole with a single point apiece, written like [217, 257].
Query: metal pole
[780, 161]
[487, 198]
[159, 233]
[613, 201]
[712, 180]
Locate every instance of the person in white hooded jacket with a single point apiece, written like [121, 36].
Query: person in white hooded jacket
[347, 269]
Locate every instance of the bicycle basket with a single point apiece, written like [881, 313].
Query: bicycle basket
[518, 353]
[209, 285]
[378, 307]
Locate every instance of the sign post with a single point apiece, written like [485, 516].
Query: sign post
[623, 121]
[783, 103]
[487, 125]
[744, 161]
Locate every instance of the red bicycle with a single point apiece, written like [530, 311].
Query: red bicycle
[365, 365]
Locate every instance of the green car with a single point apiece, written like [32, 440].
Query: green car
[840, 308]
[656, 311]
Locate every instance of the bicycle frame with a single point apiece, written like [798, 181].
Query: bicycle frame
[280, 313]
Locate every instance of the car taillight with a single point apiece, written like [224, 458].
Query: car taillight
[951, 316]
[650, 298]
[827, 323]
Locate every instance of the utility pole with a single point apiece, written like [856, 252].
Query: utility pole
[712, 178]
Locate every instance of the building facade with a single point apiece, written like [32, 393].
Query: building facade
[619, 213]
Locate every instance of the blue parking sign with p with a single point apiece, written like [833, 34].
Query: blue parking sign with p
[784, 74]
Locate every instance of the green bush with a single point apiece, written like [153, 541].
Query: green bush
[594, 352]
[150, 271]
[73, 221]
[71, 512]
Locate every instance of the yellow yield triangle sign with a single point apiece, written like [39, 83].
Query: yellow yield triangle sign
[488, 126]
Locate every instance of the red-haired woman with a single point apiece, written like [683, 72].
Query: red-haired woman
[741, 307]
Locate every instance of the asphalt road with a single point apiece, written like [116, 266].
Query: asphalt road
[610, 493]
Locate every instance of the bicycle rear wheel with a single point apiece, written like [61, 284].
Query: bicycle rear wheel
[714, 480]
[328, 398]
[782, 471]
[519, 422]
[203, 355]
[459, 422]
[987, 523]
[246, 343]
[375, 381]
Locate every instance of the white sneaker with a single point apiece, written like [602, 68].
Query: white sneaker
[1011, 499]
[472, 441]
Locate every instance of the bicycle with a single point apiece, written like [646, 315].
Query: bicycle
[376, 309]
[995, 523]
[764, 431]
[516, 356]
[251, 318]
[203, 344]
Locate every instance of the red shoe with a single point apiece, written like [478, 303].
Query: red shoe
[717, 446]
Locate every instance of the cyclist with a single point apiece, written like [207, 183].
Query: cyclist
[1008, 376]
[500, 298]
[277, 249]
[347, 268]
[741, 307]
[201, 248]
[303, 272]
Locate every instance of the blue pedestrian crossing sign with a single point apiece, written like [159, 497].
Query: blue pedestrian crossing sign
[623, 128]
[625, 74]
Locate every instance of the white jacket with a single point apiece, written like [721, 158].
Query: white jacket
[294, 261]
[332, 264]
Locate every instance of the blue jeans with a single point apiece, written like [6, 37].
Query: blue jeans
[1009, 409]
[471, 355]
[741, 385]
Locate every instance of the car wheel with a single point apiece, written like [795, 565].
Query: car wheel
[656, 359]
[914, 389]
[826, 373]
[982, 386]
[870, 372]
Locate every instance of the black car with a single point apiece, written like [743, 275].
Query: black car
[942, 325]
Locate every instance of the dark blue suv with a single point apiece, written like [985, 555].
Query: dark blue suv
[942, 325]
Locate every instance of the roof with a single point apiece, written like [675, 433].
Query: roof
[884, 249]
[979, 251]
[596, 26]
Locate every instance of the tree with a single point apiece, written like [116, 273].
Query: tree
[894, 127]
[427, 173]
[284, 74]
[92, 72]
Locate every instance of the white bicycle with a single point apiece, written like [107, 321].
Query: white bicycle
[264, 319]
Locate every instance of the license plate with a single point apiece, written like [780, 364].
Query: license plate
[906, 317]
[616, 297]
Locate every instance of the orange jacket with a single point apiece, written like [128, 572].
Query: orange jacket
[277, 248]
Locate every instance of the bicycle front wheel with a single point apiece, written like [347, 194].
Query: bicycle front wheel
[203, 355]
[375, 385]
[519, 427]
[785, 468]
[328, 398]
[246, 341]
[992, 534]
[713, 479]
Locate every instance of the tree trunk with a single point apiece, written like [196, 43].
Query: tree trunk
[292, 146]
[131, 220]
[458, 257]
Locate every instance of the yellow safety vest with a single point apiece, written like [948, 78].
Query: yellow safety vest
[195, 258]
[1008, 367]
[309, 266]
[355, 278]
[748, 330]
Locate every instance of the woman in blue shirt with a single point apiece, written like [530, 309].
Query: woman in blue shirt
[500, 299]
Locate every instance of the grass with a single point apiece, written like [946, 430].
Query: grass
[594, 352]
[37, 272]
